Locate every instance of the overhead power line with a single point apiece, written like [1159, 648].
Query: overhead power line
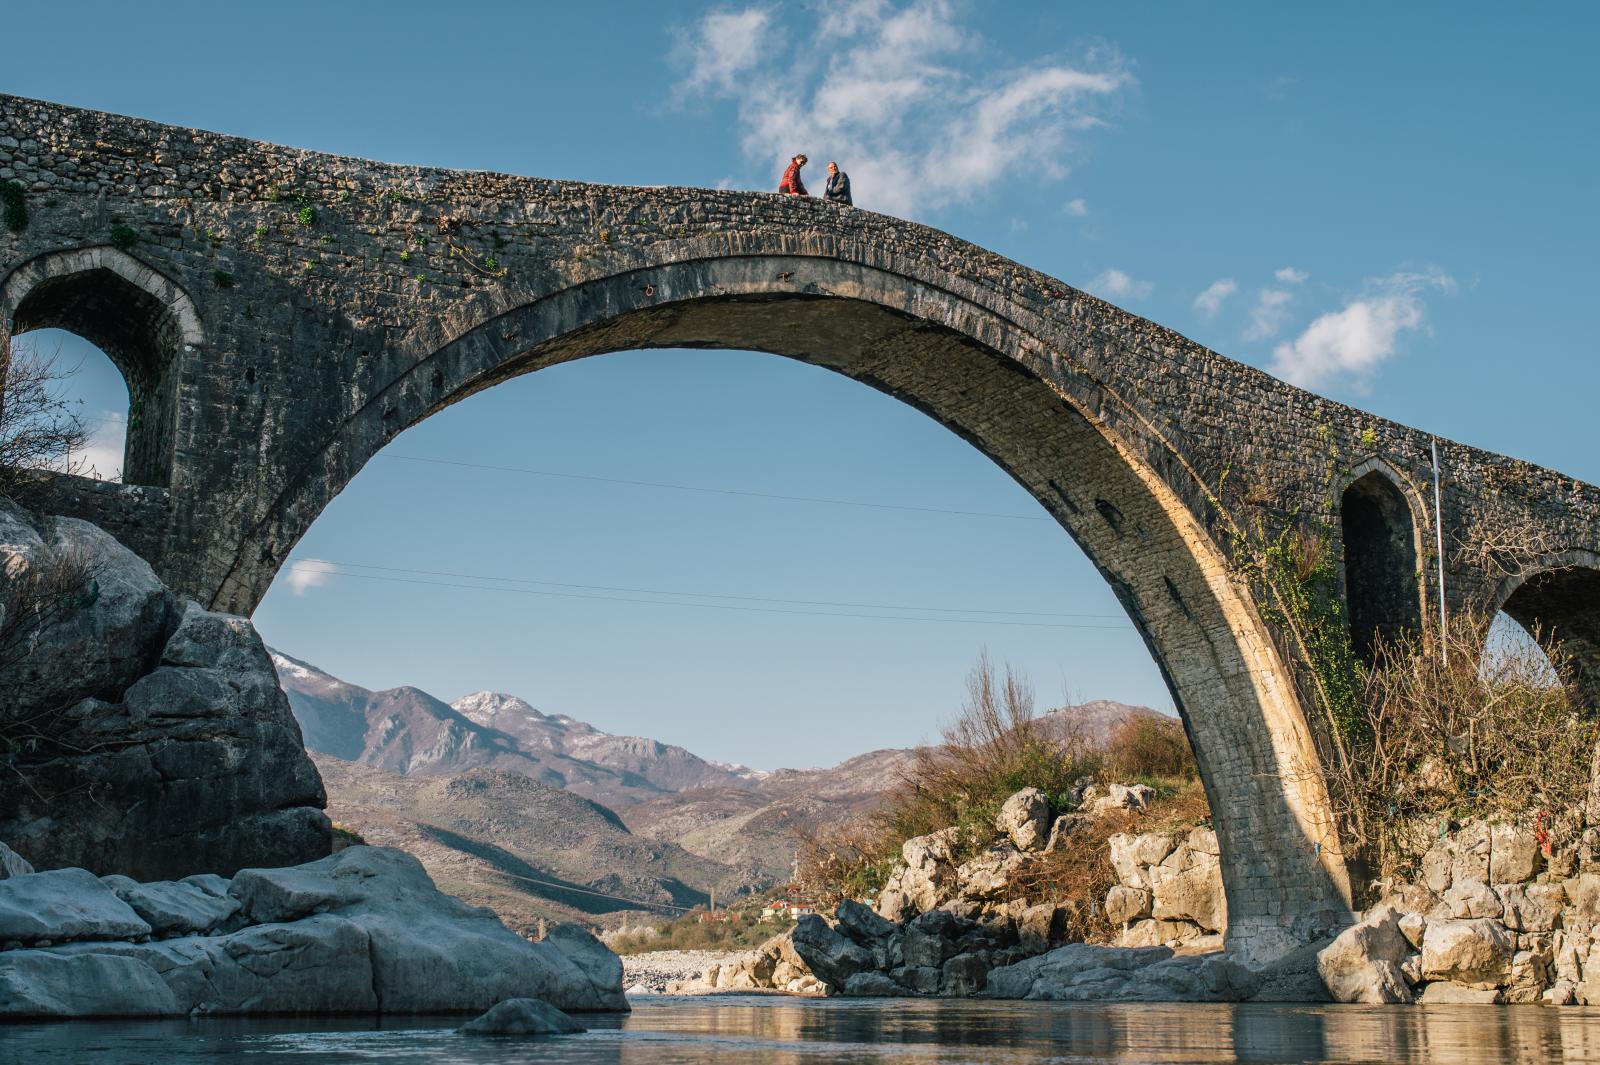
[718, 491]
[699, 595]
[336, 572]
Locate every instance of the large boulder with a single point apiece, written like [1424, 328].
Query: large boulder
[177, 908]
[165, 745]
[1363, 962]
[380, 938]
[1025, 819]
[60, 905]
[1476, 952]
[832, 957]
[522, 1016]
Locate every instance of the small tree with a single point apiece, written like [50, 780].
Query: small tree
[39, 426]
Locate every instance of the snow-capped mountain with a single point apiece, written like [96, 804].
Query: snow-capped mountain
[406, 730]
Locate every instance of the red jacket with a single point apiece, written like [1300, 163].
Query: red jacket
[791, 180]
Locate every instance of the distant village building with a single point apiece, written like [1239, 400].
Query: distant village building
[781, 907]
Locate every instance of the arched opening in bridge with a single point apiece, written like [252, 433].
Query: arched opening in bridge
[1380, 563]
[139, 332]
[84, 385]
[734, 553]
[1560, 608]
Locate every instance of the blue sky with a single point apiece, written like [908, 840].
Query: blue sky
[1392, 204]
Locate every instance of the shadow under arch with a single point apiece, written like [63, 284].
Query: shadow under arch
[141, 320]
[1025, 407]
[1380, 531]
[1557, 600]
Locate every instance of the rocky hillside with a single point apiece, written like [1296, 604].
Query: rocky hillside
[406, 730]
[739, 824]
[523, 848]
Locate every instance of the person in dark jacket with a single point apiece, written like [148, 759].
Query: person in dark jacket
[791, 182]
[838, 190]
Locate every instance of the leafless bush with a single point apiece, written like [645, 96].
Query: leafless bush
[34, 598]
[1485, 730]
[1149, 747]
[39, 427]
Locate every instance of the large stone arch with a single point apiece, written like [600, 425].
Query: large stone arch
[140, 318]
[1022, 404]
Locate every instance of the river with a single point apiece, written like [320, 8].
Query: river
[750, 1030]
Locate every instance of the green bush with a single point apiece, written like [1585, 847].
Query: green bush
[13, 199]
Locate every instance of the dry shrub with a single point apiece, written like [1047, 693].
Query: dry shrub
[39, 429]
[995, 748]
[34, 598]
[1490, 732]
[1144, 747]
[1078, 873]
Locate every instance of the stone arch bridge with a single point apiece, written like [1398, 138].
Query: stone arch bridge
[279, 315]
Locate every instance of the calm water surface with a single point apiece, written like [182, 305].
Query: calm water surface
[776, 1031]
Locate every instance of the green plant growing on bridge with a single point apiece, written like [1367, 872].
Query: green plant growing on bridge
[307, 215]
[14, 202]
[222, 278]
[123, 237]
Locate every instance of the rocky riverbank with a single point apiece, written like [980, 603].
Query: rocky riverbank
[1498, 912]
[362, 931]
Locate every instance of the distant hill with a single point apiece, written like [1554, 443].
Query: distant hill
[492, 795]
[406, 730]
[525, 849]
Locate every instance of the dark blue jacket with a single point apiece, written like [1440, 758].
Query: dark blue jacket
[838, 190]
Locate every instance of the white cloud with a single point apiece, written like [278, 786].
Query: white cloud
[912, 103]
[1077, 208]
[1269, 314]
[725, 45]
[1354, 340]
[308, 573]
[1114, 284]
[1290, 276]
[101, 456]
[1210, 301]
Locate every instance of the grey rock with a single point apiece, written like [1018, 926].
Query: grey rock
[1476, 952]
[1471, 898]
[12, 863]
[1362, 964]
[872, 985]
[601, 965]
[861, 924]
[1514, 854]
[36, 983]
[1531, 907]
[59, 905]
[923, 979]
[175, 908]
[1076, 972]
[930, 939]
[155, 771]
[1443, 992]
[829, 955]
[1025, 819]
[964, 975]
[522, 1016]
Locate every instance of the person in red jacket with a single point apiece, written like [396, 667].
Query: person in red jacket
[791, 182]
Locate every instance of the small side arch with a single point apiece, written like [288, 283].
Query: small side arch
[1557, 599]
[1379, 529]
[139, 317]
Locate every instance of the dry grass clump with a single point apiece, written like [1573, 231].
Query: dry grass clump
[995, 748]
[734, 929]
[1491, 731]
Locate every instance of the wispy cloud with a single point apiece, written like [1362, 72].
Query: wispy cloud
[725, 46]
[1077, 208]
[1210, 301]
[1114, 284]
[102, 453]
[1269, 314]
[1290, 276]
[1352, 341]
[308, 573]
[913, 103]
